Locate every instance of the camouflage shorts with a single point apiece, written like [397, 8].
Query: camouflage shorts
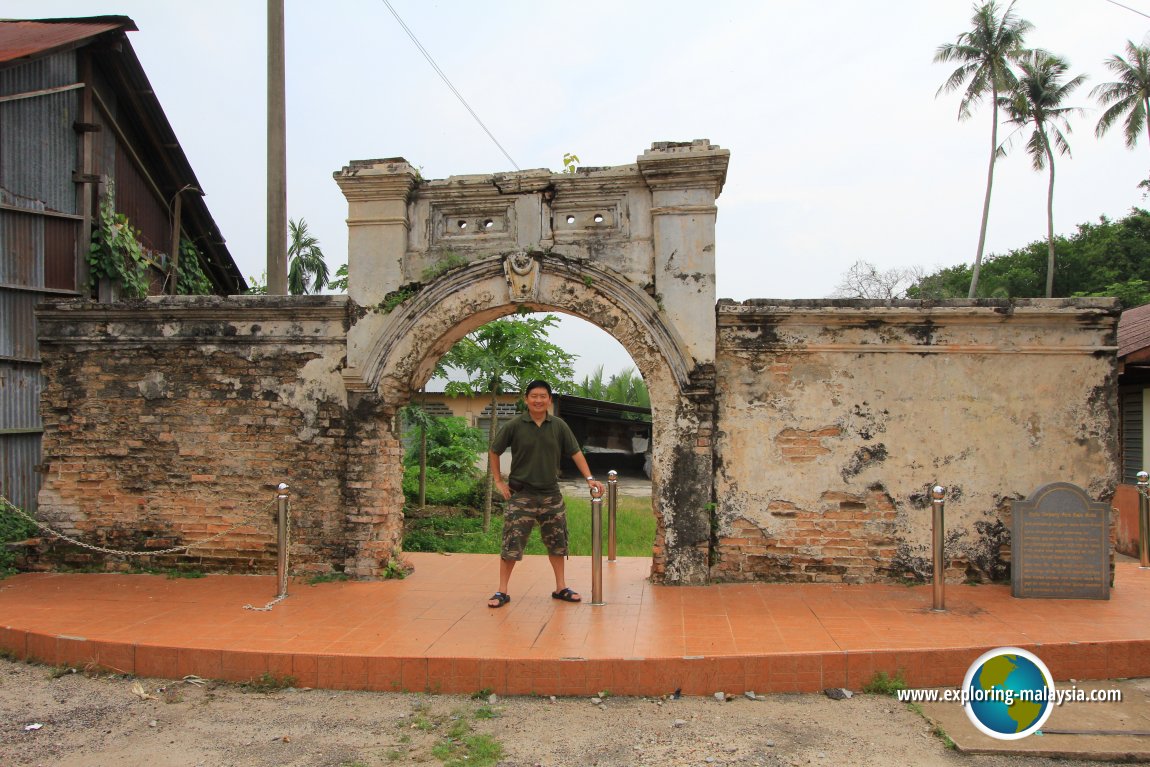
[521, 514]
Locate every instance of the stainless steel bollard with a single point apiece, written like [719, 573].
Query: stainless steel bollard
[937, 498]
[282, 540]
[596, 546]
[612, 498]
[1143, 520]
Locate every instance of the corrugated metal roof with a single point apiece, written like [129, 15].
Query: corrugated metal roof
[1134, 330]
[20, 38]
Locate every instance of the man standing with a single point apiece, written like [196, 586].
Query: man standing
[537, 440]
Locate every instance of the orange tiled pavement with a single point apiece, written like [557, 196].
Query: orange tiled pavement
[434, 632]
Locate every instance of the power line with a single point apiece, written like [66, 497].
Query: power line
[442, 76]
[1112, 2]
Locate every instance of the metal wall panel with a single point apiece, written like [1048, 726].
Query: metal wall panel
[39, 147]
[60, 253]
[21, 249]
[136, 200]
[18, 324]
[53, 71]
[19, 396]
[1132, 434]
[19, 480]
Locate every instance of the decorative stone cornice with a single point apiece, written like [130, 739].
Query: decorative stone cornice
[1075, 326]
[367, 180]
[194, 319]
[675, 165]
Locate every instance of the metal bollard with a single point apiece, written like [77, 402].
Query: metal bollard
[1143, 520]
[596, 546]
[612, 497]
[937, 497]
[282, 540]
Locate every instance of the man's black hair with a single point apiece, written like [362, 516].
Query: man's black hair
[536, 384]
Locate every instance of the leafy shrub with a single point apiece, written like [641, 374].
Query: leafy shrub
[12, 528]
[444, 488]
[452, 445]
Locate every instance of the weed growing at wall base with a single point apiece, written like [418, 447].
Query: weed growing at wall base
[12, 528]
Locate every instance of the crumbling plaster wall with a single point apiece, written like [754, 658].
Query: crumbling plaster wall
[170, 420]
[835, 418]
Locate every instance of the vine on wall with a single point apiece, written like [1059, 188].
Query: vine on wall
[115, 253]
[191, 280]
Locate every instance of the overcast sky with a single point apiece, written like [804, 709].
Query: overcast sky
[840, 150]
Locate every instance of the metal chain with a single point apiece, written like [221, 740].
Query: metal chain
[268, 606]
[184, 548]
[1143, 491]
[287, 568]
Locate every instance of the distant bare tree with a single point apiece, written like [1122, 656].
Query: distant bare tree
[864, 280]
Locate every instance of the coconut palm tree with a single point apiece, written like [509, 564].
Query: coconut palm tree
[306, 262]
[1038, 102]
[1129, 95]
[984, 55]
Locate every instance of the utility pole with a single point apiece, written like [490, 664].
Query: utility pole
[277, 152]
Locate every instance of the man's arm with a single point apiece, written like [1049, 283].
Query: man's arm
[581, 464]
[496, 477]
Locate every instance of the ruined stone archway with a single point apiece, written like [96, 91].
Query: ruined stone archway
[628, 249]
[426, 325]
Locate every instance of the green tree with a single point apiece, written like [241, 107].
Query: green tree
[443, 450]
[305, 261]
[503, 356]
[593, 386]
[1037, 103]
[626, 387]
[339, 282]
[1129, 95]
[1101, 258]
[984, 55]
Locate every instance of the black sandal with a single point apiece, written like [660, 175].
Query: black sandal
[499, 597]
[566, 595]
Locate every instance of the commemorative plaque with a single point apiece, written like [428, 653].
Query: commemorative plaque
[1060, 547]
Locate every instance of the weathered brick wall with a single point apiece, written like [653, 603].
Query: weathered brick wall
[171, 420]
[822, 427]
[835, 418]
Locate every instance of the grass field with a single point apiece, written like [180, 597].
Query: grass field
[635, 531]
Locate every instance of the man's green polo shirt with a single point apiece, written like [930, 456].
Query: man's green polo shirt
[536, 450]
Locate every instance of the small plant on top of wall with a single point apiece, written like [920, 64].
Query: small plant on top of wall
[191, 280]
[448, 261]
[397, 297]
[115, 253]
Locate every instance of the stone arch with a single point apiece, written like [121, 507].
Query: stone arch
[423, 327]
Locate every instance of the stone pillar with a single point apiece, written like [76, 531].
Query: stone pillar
[685, 180]
[377, 193]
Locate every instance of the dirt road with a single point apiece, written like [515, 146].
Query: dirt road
[67, 719]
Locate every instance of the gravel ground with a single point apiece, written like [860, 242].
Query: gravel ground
[66, 718]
